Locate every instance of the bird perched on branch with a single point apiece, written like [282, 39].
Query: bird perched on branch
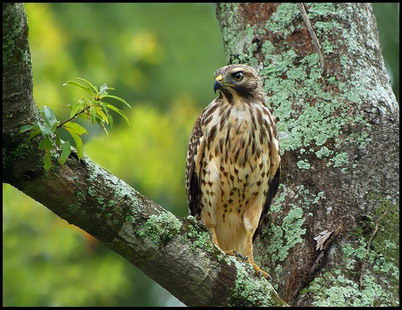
[233, 162]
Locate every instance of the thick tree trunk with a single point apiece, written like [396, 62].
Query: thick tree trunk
[333, 234]
[177, 253]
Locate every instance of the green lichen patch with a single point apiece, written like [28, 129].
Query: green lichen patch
[278, 201]
[160, 228]
[344, 292]
[101, 200]
[251, 291]
[15, 24]
[282, 19]
[284, 237]
[369, 270]
[386, 241]
[338, 289]
[312, 110]
[129, 218]
[92, 191]
[303, 164]
[323, 152]
[293, 231]
[75, 210]
[301, 123]
[200, 239]
[318, 197]
[81, 196]
[340, 159]
[111, 203]
[287, 229]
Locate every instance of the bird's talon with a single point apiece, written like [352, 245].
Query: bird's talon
[259, 271]
[264, 274]
[238, 255]
[244, 259]
[230, 252]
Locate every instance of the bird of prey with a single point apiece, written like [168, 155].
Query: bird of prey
[233, 162]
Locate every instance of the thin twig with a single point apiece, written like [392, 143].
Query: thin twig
[313, 36]
[71, 118]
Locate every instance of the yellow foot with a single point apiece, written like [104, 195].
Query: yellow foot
[259, 270]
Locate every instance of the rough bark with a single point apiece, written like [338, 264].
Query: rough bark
[177, 253]
[333, 234]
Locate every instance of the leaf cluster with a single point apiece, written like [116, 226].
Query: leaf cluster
[95, 108]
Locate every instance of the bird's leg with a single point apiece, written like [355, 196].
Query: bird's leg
[213, 236]
[249, 251]
[216, 242]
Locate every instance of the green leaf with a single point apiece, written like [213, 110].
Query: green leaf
[34, 133]
[47, 160]
[26, 128]
[77, 140]
[93, 114]
[86, 88]
[84, 116]
[49, 116]
[94, 89]
[109, 116]
[45, 129]
[113, 108]
[105, 108]
[117, 98]
[102, 115]
[45, 144]
[58, 140]
[65, 152]
[77, 107]
[103, 89]
[104, 128]
[76, 128]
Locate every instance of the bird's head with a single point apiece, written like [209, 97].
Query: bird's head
[237, 80]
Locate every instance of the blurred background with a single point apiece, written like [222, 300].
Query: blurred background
[161, 59]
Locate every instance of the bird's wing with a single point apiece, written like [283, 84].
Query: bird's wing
[192, 175]
[273, 188]
[273, 182]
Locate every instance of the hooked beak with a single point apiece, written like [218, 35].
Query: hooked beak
[218, 83]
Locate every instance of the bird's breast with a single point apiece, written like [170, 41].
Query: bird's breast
[237, 155]
[236, 134]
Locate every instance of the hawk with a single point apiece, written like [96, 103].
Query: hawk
[233, 162]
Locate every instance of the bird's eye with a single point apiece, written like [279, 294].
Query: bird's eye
[238, 76]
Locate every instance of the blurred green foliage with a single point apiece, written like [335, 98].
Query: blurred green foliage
[161, 59]
[387, 15]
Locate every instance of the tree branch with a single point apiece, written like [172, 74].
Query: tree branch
[177, 253]
[313, 36]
